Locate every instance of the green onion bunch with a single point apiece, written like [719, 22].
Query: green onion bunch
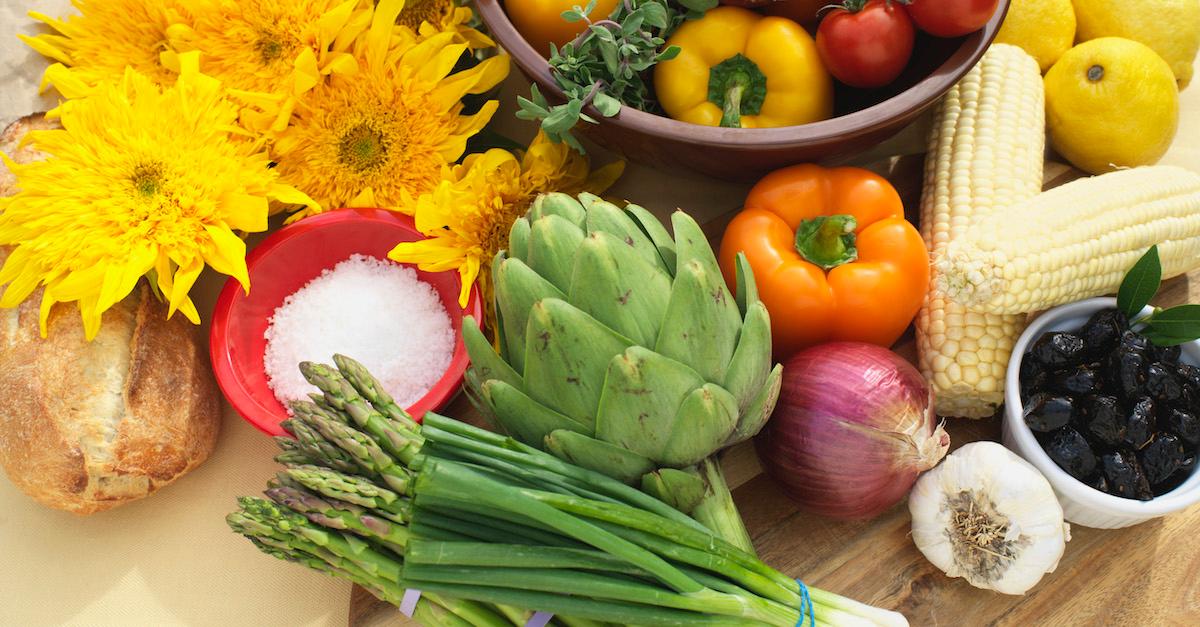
[491, 530]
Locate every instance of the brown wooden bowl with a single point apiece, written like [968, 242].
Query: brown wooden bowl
[863, 118]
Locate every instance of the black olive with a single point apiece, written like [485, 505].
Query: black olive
[1045, 412]
[1185, 425]
[1098, 483]
[1057, 350]
[1162, 457]
[1127, 372]
[1103, 330]
[1080, 381]
[1161, 384]
[1106, 423]
[1134, 342]
[1125, 476]
[1032, 377]
[1140, 423]
[1174, 481]
[1189, 378]
[1072, 453]
[1167, 354]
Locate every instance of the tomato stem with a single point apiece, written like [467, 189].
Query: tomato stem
[827, 241]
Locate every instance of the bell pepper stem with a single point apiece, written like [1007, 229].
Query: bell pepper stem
[732, 115]
[827, 241]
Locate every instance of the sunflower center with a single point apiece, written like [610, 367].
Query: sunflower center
[419, 11]
[147, 179]
[364, 147]
[270, 46]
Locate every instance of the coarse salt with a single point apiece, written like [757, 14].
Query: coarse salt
[376, 312]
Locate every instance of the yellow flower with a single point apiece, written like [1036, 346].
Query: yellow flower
[429, 17]
[390, 130]
[141, 180]
[466, 219]
[273, 47]
[110, 35]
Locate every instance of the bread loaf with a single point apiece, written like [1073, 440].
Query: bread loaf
[86, 426]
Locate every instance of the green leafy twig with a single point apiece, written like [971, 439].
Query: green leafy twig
[605, 65]
[1164, 327]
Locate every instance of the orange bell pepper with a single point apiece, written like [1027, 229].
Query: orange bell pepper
[832, 254]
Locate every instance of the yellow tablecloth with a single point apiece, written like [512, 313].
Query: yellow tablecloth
[170, 560]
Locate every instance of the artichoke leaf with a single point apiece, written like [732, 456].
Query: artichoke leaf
[524, 418]
[605, 217]
[681, 489]
[654, 229]
[558, 204]
[751, 362]
[518, 240]
[485, 363]
[553, 241]
[639, 407]
[518, 289]
[747, 288]
[616, 286]
[566, 356]
[706, 419]
[756, 414]
[702, 323]
[602, 457]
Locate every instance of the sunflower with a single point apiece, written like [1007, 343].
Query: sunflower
[389, 131]
[109, 35]
[428, 17]
[141, 180]
[466, 219]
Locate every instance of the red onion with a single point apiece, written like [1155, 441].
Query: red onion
[853, 429]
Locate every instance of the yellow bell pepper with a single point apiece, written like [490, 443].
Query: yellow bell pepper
[738, 69]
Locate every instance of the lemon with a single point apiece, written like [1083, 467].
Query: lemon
[1170, 27]
[1111, 102]
[1044, 28]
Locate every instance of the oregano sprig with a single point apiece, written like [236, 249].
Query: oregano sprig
[605, 65]
[1164, 327]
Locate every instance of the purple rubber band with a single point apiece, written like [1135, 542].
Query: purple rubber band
[539, 619]
[408, 604]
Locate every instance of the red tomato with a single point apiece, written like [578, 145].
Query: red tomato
[866, 43]
[951, 18]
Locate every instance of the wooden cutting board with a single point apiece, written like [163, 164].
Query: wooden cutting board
[1143, 575]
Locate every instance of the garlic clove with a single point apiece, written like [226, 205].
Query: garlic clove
[990, 517]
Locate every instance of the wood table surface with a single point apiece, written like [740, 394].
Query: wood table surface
[1144, 575]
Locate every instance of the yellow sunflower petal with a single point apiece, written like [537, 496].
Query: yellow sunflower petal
[45, 48]
[365, 198]
[469, 271]
[227, 255]
[307, 74]
[182, 283]
[379, 36]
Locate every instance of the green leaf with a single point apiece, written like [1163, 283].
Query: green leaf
[699, 5]
[606, 104]
[1180, 323]
[1140, 284]
[654, 15]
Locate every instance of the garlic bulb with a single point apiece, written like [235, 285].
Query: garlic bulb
[989, 517]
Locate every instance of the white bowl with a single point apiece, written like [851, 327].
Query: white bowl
[1082, 504]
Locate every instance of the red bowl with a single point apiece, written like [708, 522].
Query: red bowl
[282, 264]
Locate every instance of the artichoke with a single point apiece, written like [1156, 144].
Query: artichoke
[622, 350]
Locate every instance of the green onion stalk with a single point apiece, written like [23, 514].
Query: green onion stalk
[491, 530]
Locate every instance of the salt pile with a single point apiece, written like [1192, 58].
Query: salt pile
[376, 312]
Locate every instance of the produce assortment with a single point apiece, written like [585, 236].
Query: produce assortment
[612, 352]
[728, 66]
[483, 525]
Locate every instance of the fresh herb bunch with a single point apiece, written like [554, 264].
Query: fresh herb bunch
[1164, 327]
[604, 65]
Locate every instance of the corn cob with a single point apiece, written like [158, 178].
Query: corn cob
[985, 153]
[1076, 241]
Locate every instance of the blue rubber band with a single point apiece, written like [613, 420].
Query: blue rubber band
[806, 607]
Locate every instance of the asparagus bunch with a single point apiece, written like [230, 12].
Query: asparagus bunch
[484, 525]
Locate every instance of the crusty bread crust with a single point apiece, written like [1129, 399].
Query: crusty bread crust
[86, 426]
[10, 144]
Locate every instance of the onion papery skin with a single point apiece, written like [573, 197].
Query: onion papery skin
[853, 429]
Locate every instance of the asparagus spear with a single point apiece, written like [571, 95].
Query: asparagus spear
[349, 488]
[360, 448]
[342, 516]
[369, 387]
[316, 448]
[401, 438]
